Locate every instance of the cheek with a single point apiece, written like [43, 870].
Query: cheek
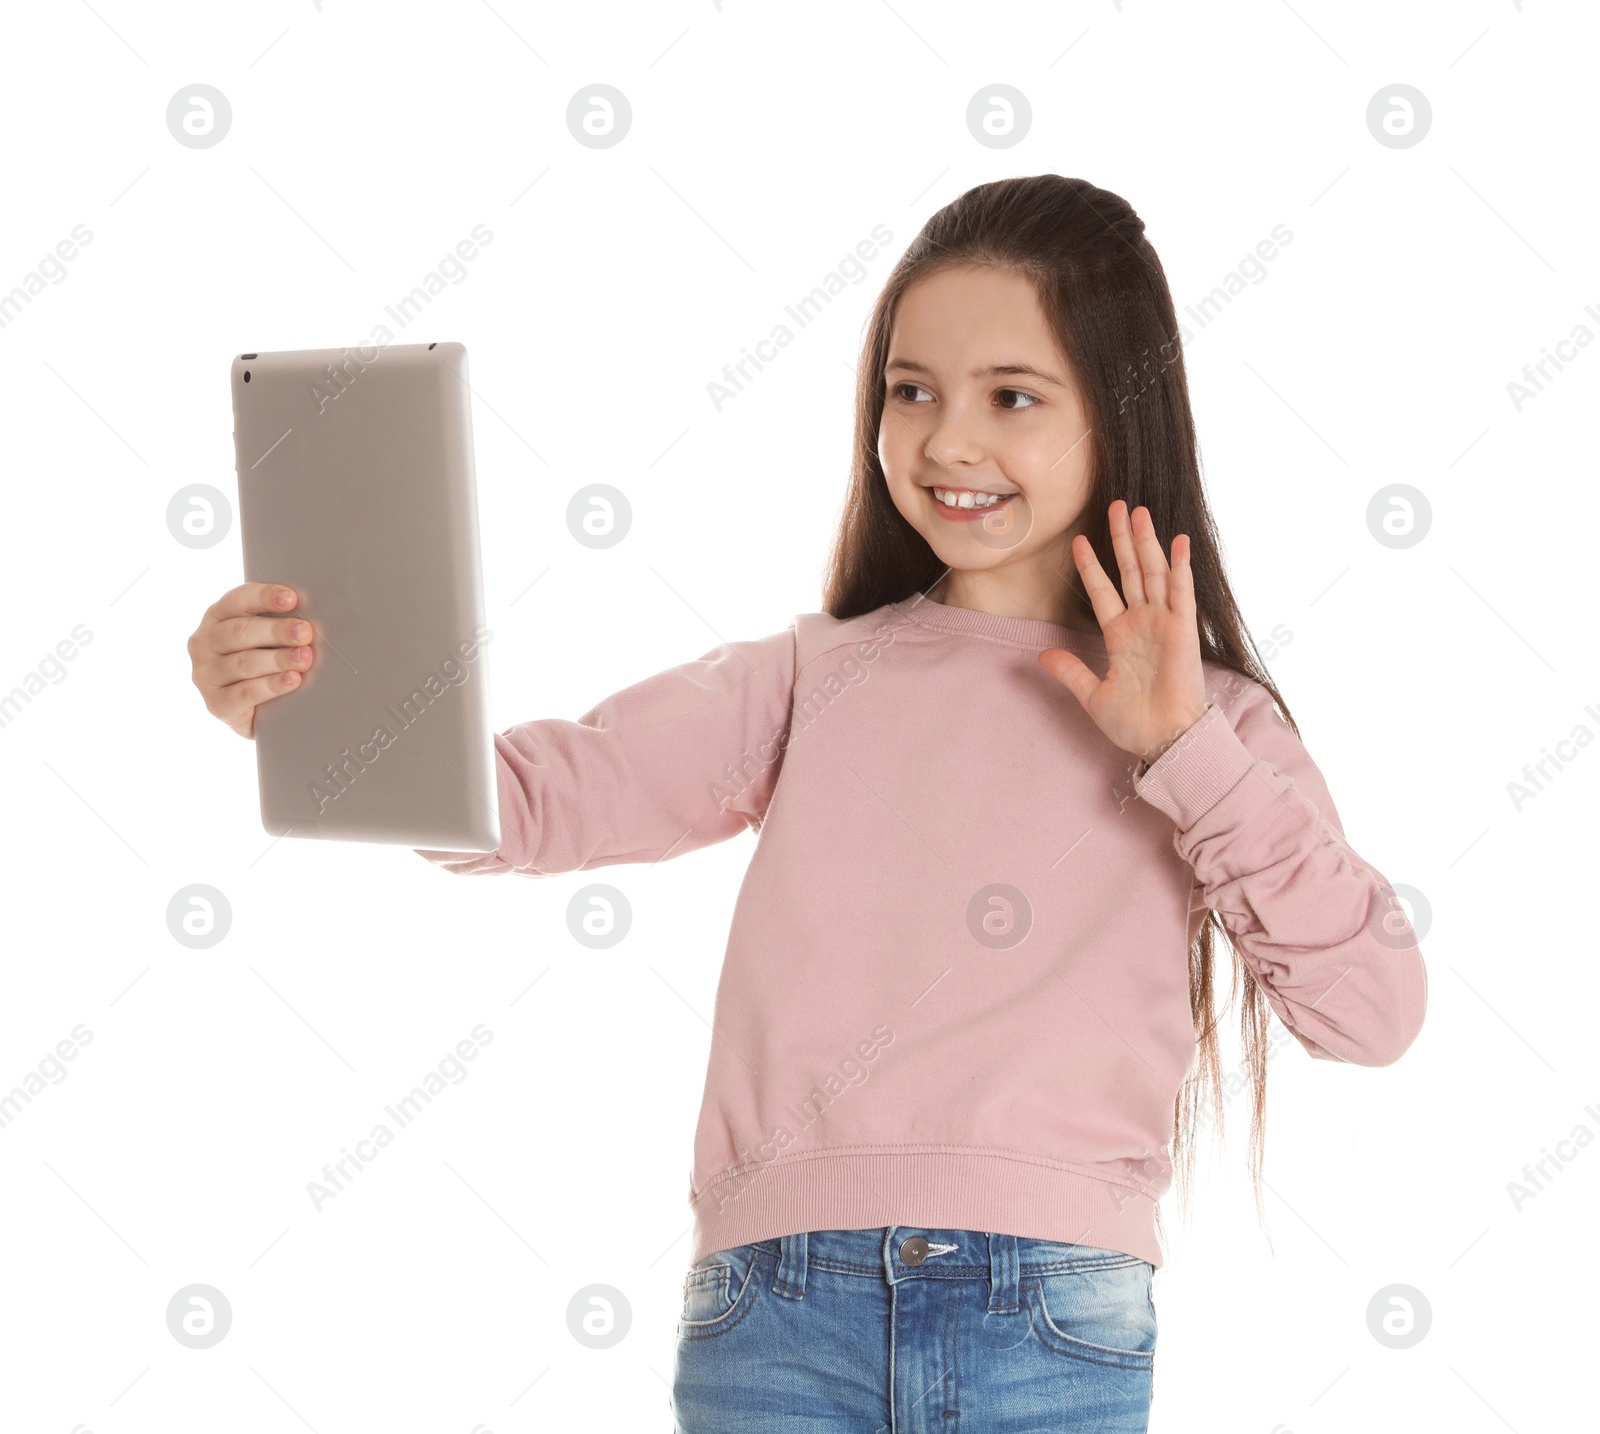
[1056, 456]
[891, 446]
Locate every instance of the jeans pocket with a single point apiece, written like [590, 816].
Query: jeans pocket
[1098, 1311]
[718, 1292]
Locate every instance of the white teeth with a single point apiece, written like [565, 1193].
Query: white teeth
[968, 499]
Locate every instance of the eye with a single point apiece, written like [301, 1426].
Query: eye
[915, 388]
[1032, 402]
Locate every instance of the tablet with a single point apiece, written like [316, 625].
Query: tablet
[356, 489]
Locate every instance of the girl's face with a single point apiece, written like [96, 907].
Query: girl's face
[981, 401]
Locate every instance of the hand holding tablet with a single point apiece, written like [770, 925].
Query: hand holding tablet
[245, 652]
[356, 493]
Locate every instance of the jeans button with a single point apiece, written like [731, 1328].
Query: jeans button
[914, 1251]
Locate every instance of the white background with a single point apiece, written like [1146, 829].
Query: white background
[766, 141]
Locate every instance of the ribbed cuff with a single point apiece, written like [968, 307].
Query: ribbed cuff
[1206, 763]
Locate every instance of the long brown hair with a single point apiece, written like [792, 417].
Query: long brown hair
[1105, 294]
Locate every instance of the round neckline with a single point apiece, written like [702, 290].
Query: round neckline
[1027, 631]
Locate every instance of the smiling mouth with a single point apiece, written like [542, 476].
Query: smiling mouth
[968, 500]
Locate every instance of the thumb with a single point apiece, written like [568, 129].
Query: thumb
[1070, 672]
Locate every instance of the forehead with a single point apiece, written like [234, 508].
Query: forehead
[965, 310]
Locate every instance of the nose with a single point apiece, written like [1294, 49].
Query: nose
[953, 439]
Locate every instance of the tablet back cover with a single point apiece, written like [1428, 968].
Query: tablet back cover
[356, 488]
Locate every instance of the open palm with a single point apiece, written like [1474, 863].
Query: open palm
[1154, 687]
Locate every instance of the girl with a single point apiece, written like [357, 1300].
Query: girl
[1009, 786]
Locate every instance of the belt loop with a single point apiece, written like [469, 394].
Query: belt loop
[791, 1277]
[1004, 1291]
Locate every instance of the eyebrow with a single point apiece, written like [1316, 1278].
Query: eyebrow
[993, 371]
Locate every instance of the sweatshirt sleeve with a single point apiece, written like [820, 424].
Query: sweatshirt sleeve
[1318, 927]
[673, 763]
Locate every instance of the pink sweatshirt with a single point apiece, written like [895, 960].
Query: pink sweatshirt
[956, 986]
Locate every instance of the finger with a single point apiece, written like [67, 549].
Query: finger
[236, 701]
[1102, 591]
[252, 598]
[1127, 560]
[237, 634]
[1153, 562]
[232, 667]
[230, 622]
[1182, 578]
[1070, 672]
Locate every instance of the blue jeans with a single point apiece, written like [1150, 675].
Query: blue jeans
[916, 1330]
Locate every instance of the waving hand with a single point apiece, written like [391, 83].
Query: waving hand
[1154, 688]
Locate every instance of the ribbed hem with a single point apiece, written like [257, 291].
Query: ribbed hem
[1024, 631]
[1198, 770]
[944, 1190]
